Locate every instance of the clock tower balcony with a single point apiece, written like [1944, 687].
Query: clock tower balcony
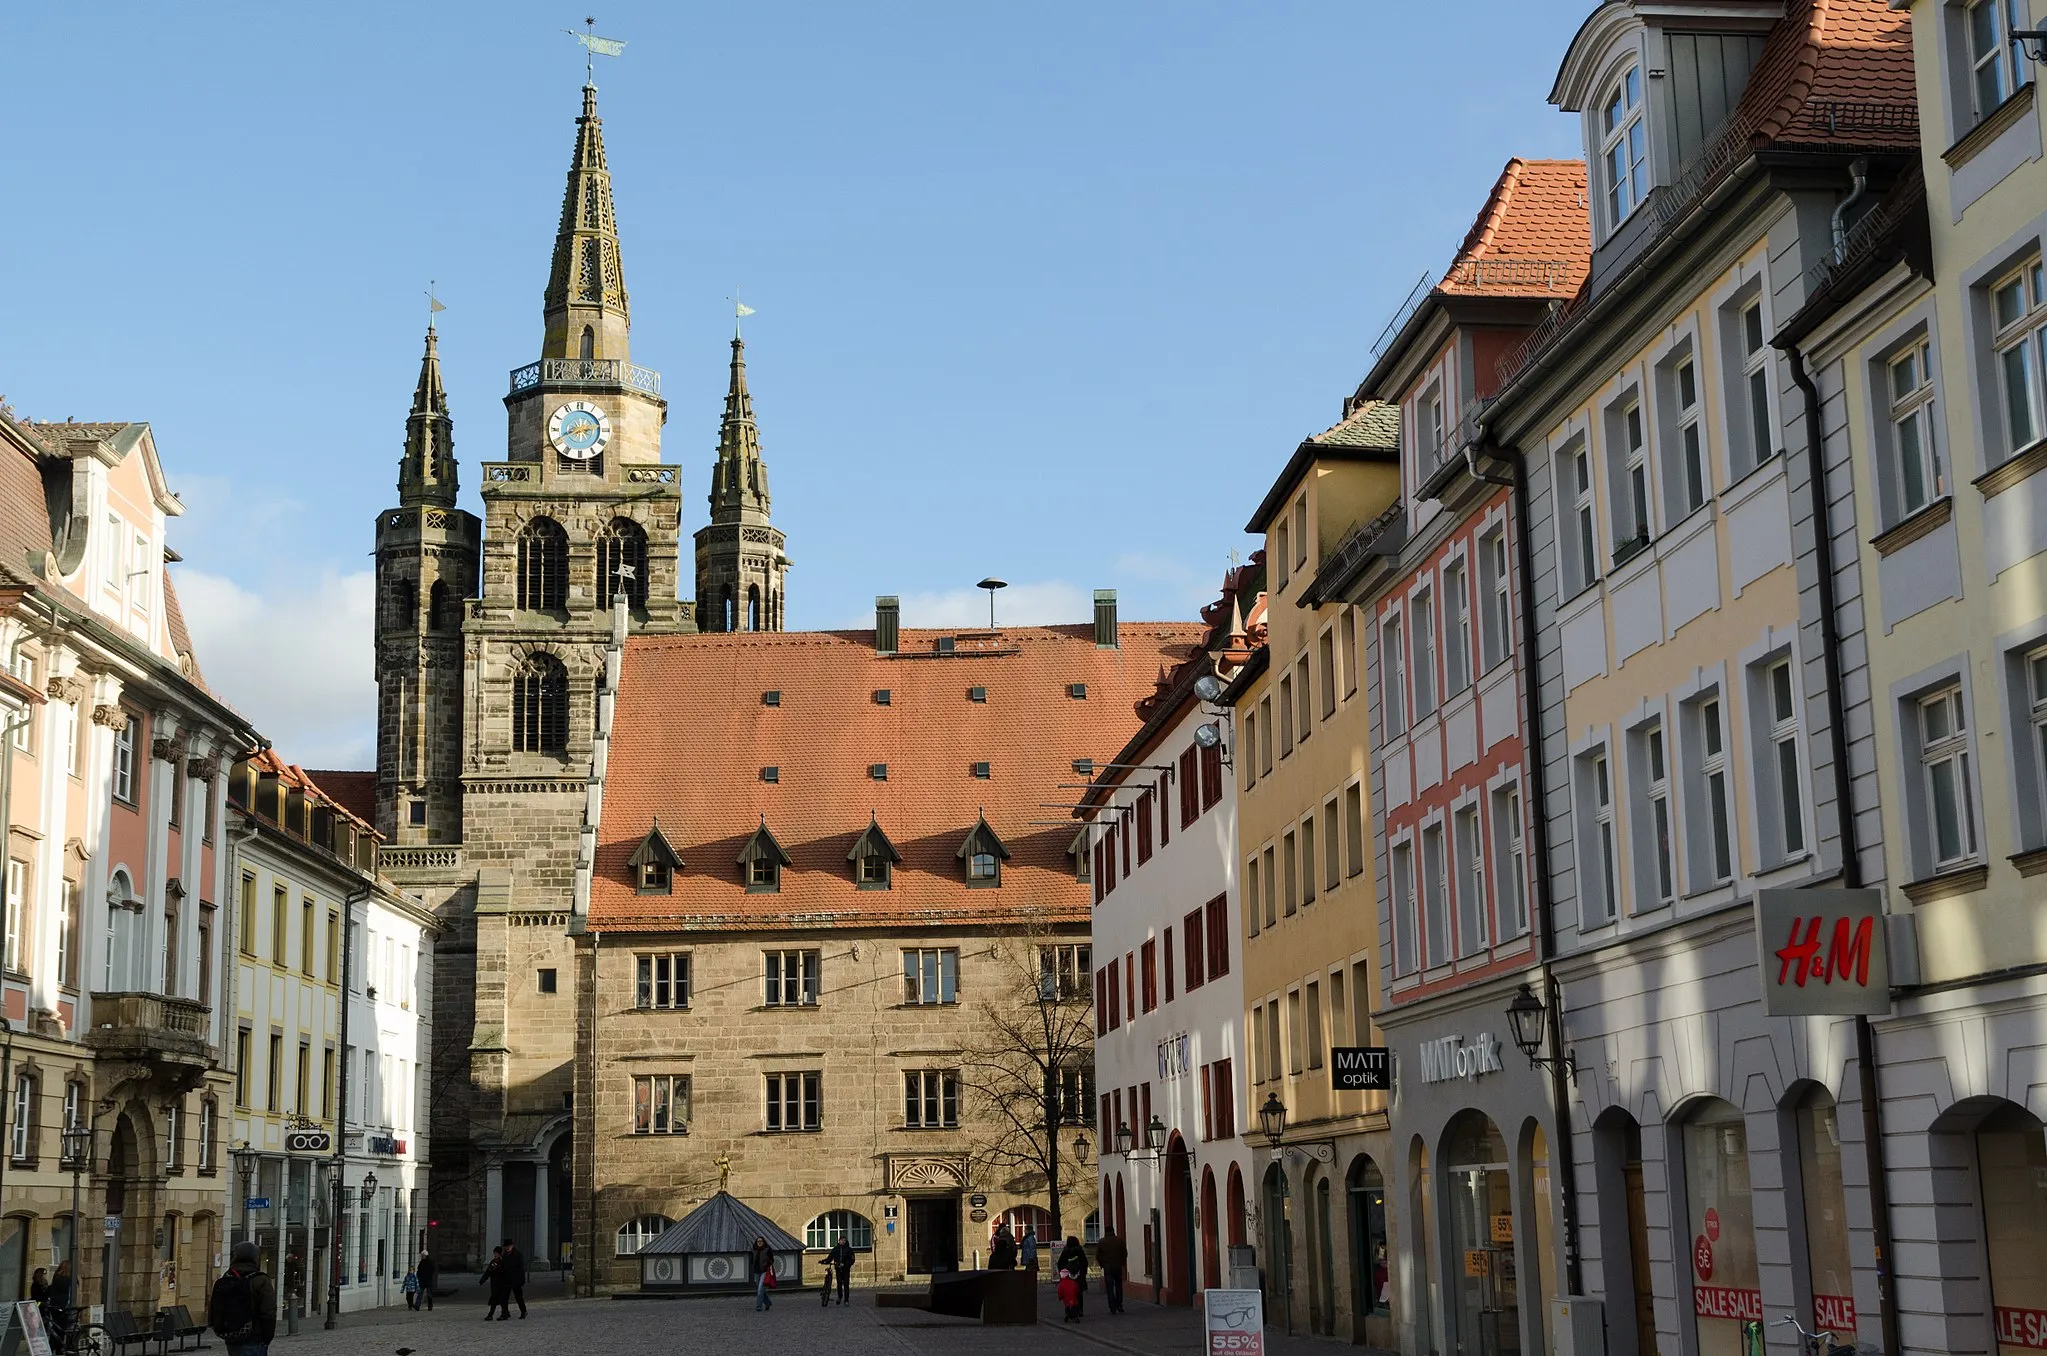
[584, 374]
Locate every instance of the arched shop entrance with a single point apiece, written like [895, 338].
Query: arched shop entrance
[1485, 1285]
[1371, 1268]
[1211, 1255]
[1720, 1235]
[1179, 1223]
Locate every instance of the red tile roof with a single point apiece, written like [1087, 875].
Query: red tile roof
[1532, 237]
[355, 792]
[270, 764]
[1835, 72]
[692, 734]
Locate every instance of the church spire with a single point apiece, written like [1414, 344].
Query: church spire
[740, 480]
[585, 306]
[428, 474]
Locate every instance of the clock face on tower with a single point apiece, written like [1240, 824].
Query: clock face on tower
[579, 430]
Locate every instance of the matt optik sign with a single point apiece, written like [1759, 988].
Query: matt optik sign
[1449, 1057]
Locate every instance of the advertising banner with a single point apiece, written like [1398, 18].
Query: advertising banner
[1824, 953]
[1235, 1320]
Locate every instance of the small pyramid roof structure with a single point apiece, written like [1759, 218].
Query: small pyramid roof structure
[722, 1224]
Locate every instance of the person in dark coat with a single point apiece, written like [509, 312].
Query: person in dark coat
[494, 1277]
[1073, 1259]
[57, 1303]
[840, 1262]
[1002, 1249]
[428, 1275]
[515, 1278]
[1112, 1254]
[760, 1264]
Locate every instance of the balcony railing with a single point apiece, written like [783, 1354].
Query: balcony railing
[589, 371]
[150, 1024]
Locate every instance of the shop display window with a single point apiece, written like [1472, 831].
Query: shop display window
[1727, 1300]
[1368, 1239]
[1485, 1279]
[1826, 1217]
[2011, 1155]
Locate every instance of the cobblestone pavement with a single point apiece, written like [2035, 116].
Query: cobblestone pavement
[729, 1326]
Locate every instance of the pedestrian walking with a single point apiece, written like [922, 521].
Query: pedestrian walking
[761, 1266]
[1112, 1255]
[1028, 1249]
[515, 1278]
[494, 1278]
[39, 1286]
[1073, 1259]
[429, 1273]
[840, 1259]
[1069, 1295]
[243, 1309]
[411, 1288]
[1002, 1249]
[57, 1304]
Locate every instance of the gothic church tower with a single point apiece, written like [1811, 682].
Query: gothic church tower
[426, 572]
[741, 564]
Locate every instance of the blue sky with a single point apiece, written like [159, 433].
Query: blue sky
[1047, 291]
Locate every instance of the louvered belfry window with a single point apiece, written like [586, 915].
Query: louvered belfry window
[540, 706]
[622, 544]
[543, 566]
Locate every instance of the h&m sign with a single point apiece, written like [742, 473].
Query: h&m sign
[1450, 1057]
[1823, 952]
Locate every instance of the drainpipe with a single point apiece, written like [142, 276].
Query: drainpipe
[334, 1239]
[1858, 171]
[1545, 925]
[1844, 799]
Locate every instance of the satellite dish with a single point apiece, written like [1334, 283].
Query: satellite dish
[1208, 687]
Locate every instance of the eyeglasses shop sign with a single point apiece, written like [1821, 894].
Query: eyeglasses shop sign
[1824, 953]
[1449, 1057]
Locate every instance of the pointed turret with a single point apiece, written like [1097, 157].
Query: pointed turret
[585, 307]
[740, 479]
[428, 473]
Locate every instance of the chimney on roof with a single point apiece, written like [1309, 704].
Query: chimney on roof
[888, 617]
[1105, 619]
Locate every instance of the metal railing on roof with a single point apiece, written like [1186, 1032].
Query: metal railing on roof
[1400, 316]
[601, 371]
[1549, 274]
[1866, 236]
[1360, 542]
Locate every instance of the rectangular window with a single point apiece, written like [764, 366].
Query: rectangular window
[1624, 148]
[1062, 971]
[1920, 477]
[1271, 889]
[302, 1086]
[1654, 844]
[1393, 686]
[1211, 777]
[1115, 987]
[1218, 931]
[327, 1083]
[1495, 583]
[1196, 964]
[1252, 912]
[1713, 836]
[931, 1099]
[1428, 421]
[1304, 721]
[661, 980]
[1353, 829]
[1784, 801]
[1456, 628]
[1423, 611]
[67, 939]
[273, 1074]
[1289, 875]
[1150, 986]
[24, 730]
[1308, 860]
[1755, 384]
[2036, 722]
[1347, 643]
[1249, 750]
[1222, 1087]
[23, 1131]
[1685, 472]
[1143, 816]
[1628, 456]
[1314, 1025]
[1998, 63]
[1598, 867]
[1190, 791]
[306, 938]
[1265, 735]
[17, 911]
[2018, 309]
[1296, 1035]
[1944, 768]
[333, 946]
[1332, 846]
[1469, 848]
[1510, 853]
[931, 975]
[1581, 540]
[280, 909]
[124, 762]
[661, 1104]
[1166, 959]
[1435, 910]
[1286, 715]
[791, 979]
[208, 1118]
[795, 1101]
[1325, 654]
[1280, 556]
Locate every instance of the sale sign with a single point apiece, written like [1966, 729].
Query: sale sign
[1235, 1321]
[1834, 1314]
[1702, 1257]
[2022, 1327]
[1823, 952]
[1720, 1301]
[1712, 1224]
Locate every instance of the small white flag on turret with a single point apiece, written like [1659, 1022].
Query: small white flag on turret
[601, 46]
[434, 304]
[741, 308]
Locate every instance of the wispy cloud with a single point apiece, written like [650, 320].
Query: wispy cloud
[1044, 603]
[296, 660]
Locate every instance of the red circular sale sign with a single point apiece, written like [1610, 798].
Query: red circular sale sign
[1702, 1257]
[1712, 1224]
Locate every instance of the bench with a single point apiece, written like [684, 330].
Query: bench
[122, 1332]
[177, 1322]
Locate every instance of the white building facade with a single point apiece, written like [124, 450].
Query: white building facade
[1169, 1061]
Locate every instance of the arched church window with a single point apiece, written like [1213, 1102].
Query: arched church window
[403, 599]
[543, 566]
[727, 613]
[589, 343]
[540, 706]
[622, 543]
[753, 608]
[437, 606]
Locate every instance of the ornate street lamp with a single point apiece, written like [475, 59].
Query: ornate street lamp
[1155, 1136]
[1526, 1015]
[78, 1152]
[245, 1168]
[369, 1189]
[1124, 1139]
[1272, 1119]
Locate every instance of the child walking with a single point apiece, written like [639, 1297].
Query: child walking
[1069, 1295]
[411, 1288]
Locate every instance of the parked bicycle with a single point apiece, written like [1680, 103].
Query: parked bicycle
[1820, 1343]
[79, 1336]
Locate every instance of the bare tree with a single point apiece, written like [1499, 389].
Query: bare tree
[1030, 1069]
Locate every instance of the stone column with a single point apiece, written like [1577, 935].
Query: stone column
[543, 1191]
[493, 1209]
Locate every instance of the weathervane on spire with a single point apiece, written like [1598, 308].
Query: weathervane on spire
[594, 47]
[433, 304]
[739, 310]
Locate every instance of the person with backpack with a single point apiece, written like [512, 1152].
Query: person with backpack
[243, 1309]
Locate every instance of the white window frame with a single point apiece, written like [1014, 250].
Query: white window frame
[1656, 834]
[1421, 611]
[1994, 54]
[1583, 515]
[1915, 452]
[1776, 692]
[1949, 750]
[1510, 853]
[124, 762]
[1599, 847]
[790, 971]
[1623, 130]
[662, 980]
[1628, 456]
[1496, 598]
[22, 1133]
[1393, 686]
[2034, 665]
[1435, 865]
[1467, 847]
[1406, 910]
[2019, 336]
[1709, 826]
[636, 1233]
[1457, 665]
[931, 1099]
[1753, 388]
[1689, 463]
[931, 976]
[1429, 428]
[17, 913]
[24, 731]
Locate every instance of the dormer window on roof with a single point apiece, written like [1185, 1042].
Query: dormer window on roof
[1624, 146]
[874, 858]
[761, 862]
[654, 863]
[984, 855]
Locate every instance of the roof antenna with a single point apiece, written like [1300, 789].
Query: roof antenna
[991, 583]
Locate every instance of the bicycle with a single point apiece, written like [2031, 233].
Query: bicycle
[1820, 1343]
[80, 1337]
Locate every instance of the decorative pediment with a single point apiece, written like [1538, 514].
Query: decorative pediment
[925, 1173]
[655, 848]
[982, 841]
[762, 847]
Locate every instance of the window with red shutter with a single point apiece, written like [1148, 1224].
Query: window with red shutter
[1108, 872]
[1225, 1100]
[1165, 820]
[1130, 981]
[1101, 1002]
[1211, 777]
[1151, 974]
[1115, 998]
[1218, 937]
[1167, 949]
[1111, 1130]
[1144, 828]
[1190, 786]
[1147, 1110]
[1126, 843]
[1197, 968]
